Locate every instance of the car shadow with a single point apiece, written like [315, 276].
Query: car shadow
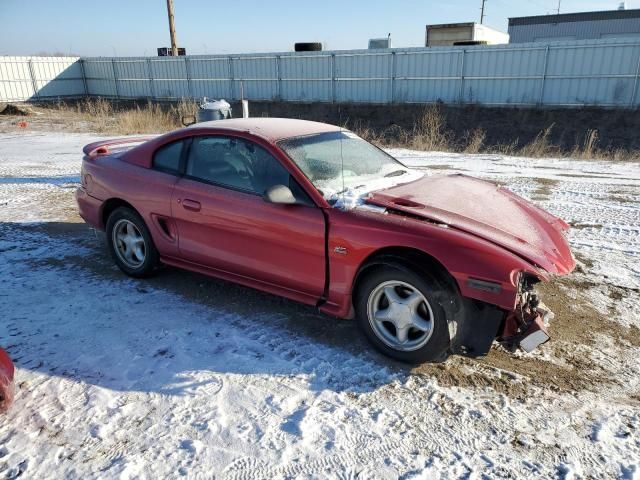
[70, 312]
[58, 180]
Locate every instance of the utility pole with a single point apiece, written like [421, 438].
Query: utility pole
[559, 1]
[482, 12]
[172, 29]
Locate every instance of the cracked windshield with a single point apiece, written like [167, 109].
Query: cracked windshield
[344, 168]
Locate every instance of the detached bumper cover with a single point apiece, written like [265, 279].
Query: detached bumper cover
[7, 389]
[524, 328]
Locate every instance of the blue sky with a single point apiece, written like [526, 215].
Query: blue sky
[138, 27]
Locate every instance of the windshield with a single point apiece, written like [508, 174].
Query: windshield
[344, 167]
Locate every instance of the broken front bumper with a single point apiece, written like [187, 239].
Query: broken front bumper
[526, 327]
[481, 324]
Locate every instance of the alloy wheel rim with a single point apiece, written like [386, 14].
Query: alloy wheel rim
[129, 243]
[400, 315]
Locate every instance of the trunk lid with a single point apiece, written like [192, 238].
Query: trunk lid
[488, 211]
[113, 145]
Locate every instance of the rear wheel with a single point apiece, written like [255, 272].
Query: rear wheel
[130, 243]
[403, 313]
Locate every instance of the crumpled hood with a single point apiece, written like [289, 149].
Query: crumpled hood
[488, 211]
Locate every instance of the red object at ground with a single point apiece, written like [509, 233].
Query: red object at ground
[6, 381]
[22, 124]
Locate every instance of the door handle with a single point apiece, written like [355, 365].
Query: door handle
[191, 205]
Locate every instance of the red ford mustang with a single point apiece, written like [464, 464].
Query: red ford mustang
[428, 264]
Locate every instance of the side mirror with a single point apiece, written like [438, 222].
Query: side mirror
[188, 120]
[279, 194]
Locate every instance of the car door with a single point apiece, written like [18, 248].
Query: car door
[153, 201]
[224, 223]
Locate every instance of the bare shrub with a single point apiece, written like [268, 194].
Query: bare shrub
[509, 149]
[624, 155]
[95, 107]
[363, 130]
[98, 111]
[476, 141]
[429, 133]
[539, 146]
[186, 107]
[588, 149]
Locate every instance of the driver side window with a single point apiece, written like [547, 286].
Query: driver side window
[235, 163]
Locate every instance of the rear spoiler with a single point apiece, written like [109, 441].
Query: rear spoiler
[97, 149]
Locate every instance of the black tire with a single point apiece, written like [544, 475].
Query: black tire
[438, 296]
[308, 47]
[151, 257]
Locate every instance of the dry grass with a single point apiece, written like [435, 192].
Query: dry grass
[588, 149]
[430, 131]
[106, 117]
[476, 141]
[148, 119]
[539, 146]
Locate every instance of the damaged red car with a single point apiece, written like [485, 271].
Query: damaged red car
[429, 265]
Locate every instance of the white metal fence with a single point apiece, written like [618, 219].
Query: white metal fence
[32, 78]
[599, 73]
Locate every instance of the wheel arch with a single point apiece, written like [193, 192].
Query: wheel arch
[110, 205]
[409, 257]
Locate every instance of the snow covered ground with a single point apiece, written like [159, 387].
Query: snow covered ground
[181, 375]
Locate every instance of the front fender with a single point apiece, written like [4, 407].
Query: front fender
[482, 271]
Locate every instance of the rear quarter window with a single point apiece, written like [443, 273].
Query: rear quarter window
[167, 158]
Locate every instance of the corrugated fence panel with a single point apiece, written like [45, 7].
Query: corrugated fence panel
[133, 78]
[589, 72]
[169, 77]
[15, 79]
[25, 78]
[305, 78]
[100, 77]
[603, 75]
[503, 76]
[210, 77]
[255, 77]
[363, 77]
[57, 76]
[428, 76]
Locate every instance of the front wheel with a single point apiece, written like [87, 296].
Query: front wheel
[130, 243]
[402, 314]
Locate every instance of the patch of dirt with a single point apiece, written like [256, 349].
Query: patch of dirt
[621, 198]
[577, 321]
[580, 225]
[12, 109]
[586, 175]
[575, 326]
[583, 260]
[545, 185]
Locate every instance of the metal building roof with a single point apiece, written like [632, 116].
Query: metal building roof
[575, 17]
